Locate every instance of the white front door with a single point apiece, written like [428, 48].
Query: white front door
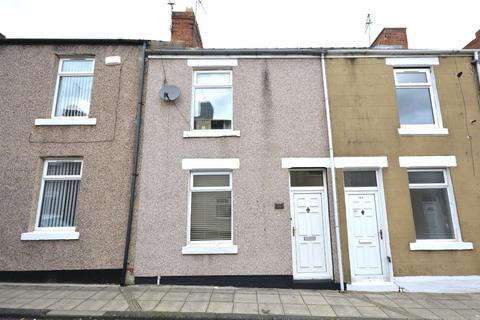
[310, 236]
[364, 234]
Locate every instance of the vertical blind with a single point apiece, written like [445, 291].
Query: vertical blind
[74, 88]
[60, 195]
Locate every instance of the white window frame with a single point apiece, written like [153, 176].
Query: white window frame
[52, 233]
[210, 246]
[210, 132]
[73, 120]
[440, 244]
[414, 129]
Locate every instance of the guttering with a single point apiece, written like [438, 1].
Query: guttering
[133, 179]
[328, 52]
[332, 169]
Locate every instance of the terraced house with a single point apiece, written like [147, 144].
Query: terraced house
[407, 149]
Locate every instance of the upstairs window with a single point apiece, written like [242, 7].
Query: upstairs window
[416, 98]
[74, 88]
[212, 100]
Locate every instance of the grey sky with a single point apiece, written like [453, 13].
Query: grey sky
[248, 23]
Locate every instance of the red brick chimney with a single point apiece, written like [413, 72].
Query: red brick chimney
[391, 38]
[185, 29]
[475, 43]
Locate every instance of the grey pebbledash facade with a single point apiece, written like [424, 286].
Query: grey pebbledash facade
[277, 118]
[66, 158]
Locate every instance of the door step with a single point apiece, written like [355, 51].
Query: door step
[315, 284]
[380, 286]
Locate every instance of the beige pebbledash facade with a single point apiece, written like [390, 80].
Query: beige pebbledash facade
[96, 132]
[433, 232]
[278, 120]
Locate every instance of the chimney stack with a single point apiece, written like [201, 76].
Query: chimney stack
[391, 38]
[475, 43]
[185, 29]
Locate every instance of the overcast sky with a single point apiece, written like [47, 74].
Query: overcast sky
[434, 24]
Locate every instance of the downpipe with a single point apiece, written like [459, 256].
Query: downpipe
[334, 181]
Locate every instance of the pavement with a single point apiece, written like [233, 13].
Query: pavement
[195, 302]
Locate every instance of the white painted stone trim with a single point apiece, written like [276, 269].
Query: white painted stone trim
[212, 62]
[361, 162]
[209, 163]
[439, 284]
[210, 249]
[427, 161]
[66, 122]
[323, 162]
[380, 286]
[210, 133]
[113, 60]
[440, 245]
[423, 131]
[50, 235]
[412, 62]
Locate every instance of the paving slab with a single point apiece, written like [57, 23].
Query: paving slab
[447, 314]
[199, 296]
[321, 310]
[116, 305]
[222, 297]
[346, 311]
[245, 308]
[314, 299]
[148, 305]
[422, 313]
[291, 299]
[220, 307]
[91, 305]
[176, 296]
[245, 297]
[268, 298]
[39, 303]
[169, 306]
[270, 308]
[296, 309]
[65, 304]
[194, 306]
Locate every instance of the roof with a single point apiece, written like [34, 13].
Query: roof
[65, 41]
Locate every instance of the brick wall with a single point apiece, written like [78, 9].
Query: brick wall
[185, 29]
[391, 37]
[475, 43]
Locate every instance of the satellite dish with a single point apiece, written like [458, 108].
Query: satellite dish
[169, 93]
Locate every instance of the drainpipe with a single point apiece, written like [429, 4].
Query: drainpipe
[477, 63]
[133, 180]
[332, 168]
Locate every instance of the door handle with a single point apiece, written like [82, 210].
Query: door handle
[380, 233]
[293, 231]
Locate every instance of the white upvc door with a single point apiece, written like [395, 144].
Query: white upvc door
[310, 236]
[365, 235]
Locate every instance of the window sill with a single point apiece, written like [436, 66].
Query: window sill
[440, 245]
[423, 131]
[210, 249]
[211, 133]
[66, 122]
[50, 235]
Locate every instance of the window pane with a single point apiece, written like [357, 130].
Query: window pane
[74, 94]
[213, 79]
[64, 168]
[412, 77]
[360, 178]
[213, 108]
[77, 66]
[211, 216]
[59, 203]
[306, 178]
[426, 177]
[431, 214]
[414, 106]
[211, 180]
